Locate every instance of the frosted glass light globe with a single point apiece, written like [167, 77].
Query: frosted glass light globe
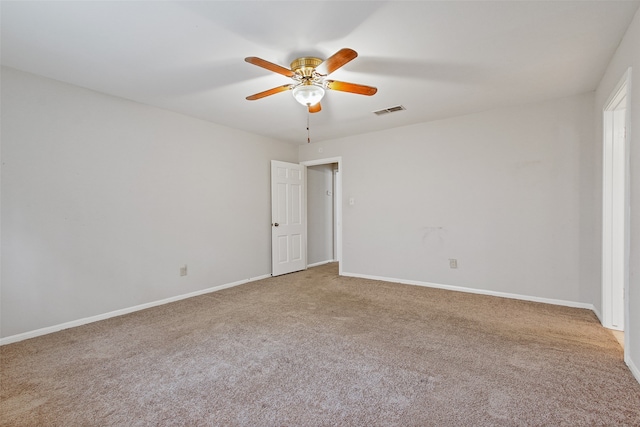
[308, 94]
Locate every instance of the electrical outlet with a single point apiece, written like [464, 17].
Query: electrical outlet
[183, 270]
[453, 263]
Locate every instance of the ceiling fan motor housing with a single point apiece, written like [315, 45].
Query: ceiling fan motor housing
[305, 66]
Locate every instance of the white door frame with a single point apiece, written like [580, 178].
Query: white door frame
[611, 210]
[338, 201]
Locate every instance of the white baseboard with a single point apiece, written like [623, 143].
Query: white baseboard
[477, 291]
[315, 264]
[91, 319]
[598, 315]
[633, 368]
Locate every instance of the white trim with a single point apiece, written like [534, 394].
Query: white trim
[617, 93]
[322, 161]
[338, 217]
[622, 89]
[337, 199]
[72, 324]
[633, 368]
[476, 291]
[335, 177]
[316, 264]
[598, 314]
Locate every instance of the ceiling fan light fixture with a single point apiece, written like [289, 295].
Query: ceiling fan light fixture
[309, 78]
[308, 94]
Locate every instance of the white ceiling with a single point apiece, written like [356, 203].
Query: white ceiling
[437, 58]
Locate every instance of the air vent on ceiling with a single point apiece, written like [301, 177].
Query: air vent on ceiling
[389, 110]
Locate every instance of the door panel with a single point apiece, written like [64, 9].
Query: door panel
[288, 228]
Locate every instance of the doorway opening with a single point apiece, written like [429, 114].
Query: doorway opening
[324, 211]
[615, 209]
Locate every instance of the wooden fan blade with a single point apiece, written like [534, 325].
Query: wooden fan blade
[315, 108]
[336, 61]
[351, 87]
[269, 92]
[269, 66]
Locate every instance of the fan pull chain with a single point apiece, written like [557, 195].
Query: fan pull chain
[308, 133]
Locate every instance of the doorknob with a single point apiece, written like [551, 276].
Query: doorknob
[276, 224]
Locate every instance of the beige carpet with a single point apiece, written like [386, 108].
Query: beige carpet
[315, 349]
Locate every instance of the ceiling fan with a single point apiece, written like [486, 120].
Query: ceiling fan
[309, 76]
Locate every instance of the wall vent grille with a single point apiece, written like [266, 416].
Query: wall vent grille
[389, 110]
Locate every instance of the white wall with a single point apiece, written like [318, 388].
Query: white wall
[104, 199]
[503, 192]
[627, 55]
[319, 214]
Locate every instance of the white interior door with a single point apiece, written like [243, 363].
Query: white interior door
[288, 219]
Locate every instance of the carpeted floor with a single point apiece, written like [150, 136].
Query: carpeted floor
[315, 349]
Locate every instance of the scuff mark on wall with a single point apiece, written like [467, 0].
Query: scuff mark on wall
[433, 237]
[530, 173]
